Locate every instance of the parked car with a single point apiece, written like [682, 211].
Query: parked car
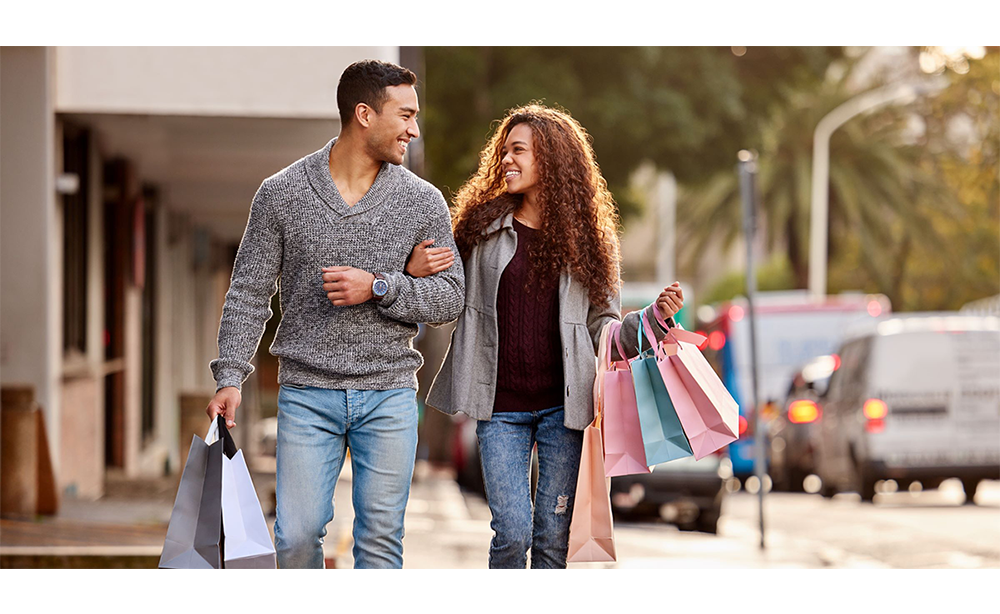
[795, 428]
[685, 492]
[916, 398]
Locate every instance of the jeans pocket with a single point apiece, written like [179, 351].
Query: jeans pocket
[295, 386]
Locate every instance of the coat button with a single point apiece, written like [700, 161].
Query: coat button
[567, 390]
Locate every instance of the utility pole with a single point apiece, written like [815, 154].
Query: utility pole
[747, 169]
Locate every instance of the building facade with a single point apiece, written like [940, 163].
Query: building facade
[126, 176]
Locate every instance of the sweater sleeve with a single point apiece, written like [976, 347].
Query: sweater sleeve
[438, 298]
[248, 301]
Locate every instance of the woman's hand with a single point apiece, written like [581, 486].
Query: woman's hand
[426, 260]
[670, 300]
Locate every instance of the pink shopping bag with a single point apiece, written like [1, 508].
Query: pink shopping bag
[708, 413]
[624, 453]
[591, 530]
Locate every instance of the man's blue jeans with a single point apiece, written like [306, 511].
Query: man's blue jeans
[505, 443]
[315, 428]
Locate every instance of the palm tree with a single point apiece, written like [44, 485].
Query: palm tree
[879, 191]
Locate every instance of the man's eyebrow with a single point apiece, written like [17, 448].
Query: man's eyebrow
[409, 110]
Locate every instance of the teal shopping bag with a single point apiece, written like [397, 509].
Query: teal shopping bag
[662, 435]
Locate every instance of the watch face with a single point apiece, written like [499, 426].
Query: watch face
[379, 288]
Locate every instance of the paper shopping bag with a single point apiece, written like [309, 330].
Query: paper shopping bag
[706, 409]
[662, 435]
[194, 534]
[591, 529]
[248, 542]
[623, 449]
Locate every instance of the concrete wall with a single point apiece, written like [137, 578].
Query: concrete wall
[237, 81]
[30, 297]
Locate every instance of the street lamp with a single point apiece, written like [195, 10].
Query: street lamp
[819, 216]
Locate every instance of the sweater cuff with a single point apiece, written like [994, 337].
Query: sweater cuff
[395, 281]
[227, 376]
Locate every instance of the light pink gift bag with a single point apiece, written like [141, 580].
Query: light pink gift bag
[708, 413]
[624, 453]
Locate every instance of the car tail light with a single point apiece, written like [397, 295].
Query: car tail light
[804, 412]
[743, 426]
[716, 340]
[875, 409]
[836, 361]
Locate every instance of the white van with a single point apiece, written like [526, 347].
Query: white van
[916, 398]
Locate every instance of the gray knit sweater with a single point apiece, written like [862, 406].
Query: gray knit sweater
[298, 224]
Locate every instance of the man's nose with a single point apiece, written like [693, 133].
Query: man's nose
[413, 130]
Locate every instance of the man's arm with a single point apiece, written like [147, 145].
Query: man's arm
[248, 301]
[435, 299]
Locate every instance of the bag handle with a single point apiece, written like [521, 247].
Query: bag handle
[616, 334]
[602, 368]
[228, 443]
[676, 334]
[644, 326]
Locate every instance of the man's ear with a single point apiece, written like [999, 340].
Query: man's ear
[363, 114]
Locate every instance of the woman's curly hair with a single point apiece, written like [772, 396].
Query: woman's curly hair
[579, 221]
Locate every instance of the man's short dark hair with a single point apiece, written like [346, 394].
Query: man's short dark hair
[365, 81]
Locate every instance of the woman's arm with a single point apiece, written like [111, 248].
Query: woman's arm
[669, 302]
[426, 260]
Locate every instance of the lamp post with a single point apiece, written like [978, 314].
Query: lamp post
[820, 216]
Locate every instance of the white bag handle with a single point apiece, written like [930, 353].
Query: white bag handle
[213, 432]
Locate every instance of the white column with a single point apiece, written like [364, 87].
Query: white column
[30, 271]
[165, 394]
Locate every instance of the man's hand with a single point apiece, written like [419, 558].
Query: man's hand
[670, 300]
[225, 402]
[346, 285]
[426, 260]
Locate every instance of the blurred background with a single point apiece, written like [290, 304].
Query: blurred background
[125, 181]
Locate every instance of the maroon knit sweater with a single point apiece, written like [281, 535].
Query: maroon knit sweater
[529, 366]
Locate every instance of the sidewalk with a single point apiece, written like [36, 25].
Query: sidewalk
[445, 529]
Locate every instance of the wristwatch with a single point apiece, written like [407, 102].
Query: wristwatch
[380, 287]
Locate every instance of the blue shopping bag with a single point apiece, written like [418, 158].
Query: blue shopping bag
[663, 437]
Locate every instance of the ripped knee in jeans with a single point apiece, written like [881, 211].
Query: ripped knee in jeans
[562, 503]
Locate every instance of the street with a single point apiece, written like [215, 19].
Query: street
[448, 529]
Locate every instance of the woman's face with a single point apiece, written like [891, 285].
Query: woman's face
[518, 163]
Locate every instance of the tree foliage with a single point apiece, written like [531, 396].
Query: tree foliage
[688, 110]
[912, 215]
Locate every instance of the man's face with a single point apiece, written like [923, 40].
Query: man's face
[391, 130]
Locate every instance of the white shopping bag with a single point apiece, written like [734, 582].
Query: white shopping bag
[247, 541]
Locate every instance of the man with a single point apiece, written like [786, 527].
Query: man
[337, 227]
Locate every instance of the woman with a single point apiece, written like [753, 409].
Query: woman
[537, 230]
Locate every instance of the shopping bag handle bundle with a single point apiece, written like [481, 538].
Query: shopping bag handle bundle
[228, 443]
[670, 344]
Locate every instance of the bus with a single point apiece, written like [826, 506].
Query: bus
[791, 329]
